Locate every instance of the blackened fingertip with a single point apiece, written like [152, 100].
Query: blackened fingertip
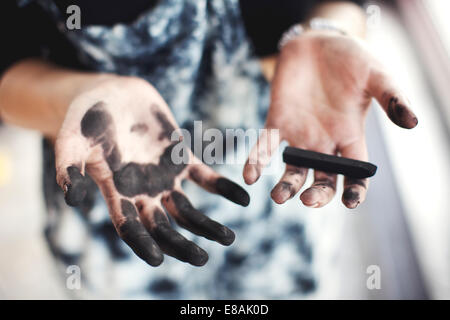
[232, 191]
[228, 237]
[199, 257]
[142, 244]
[282, 192]
[351, 198]
[75, 190]
[155, 260]
[401, 115]
[351, 195]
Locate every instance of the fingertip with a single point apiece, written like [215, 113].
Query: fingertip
[232, 191]
[155, 260]
[281, 192]
[199, 258]
[75, 188]
[251, 174]
[310, 199]
[401, 115]
[351, 198]
[228, 238]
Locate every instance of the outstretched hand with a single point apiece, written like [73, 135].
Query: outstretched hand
[119, 133]
[321, 92]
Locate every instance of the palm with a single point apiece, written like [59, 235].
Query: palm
[120, 133]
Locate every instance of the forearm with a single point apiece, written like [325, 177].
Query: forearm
[350, 18]
[36, 95]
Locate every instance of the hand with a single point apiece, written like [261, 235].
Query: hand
[118, 131]
[321, 92]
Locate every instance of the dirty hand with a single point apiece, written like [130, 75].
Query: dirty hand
[119, 132]
[321, 92]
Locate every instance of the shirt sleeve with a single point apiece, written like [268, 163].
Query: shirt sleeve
[266, 20]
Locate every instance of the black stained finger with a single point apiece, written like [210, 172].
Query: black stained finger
[400, 114]
[193, 220]
[97, 125]
[351, 197]
[136, 236]
[173, 243]
[232, 191]
[289, 184]
[75, 189]
[354, 192]
[208, 179]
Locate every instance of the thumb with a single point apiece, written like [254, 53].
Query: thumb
[393, 102]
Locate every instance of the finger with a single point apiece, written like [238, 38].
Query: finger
[210, 180]
[355, 189]
[169, 240]
[179, 207]
[129, 227]
[321, 191]
[70, 155]
[392, 100]
[260, 155]
[290, 184]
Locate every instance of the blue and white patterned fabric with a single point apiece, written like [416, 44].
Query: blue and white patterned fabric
[195, 52]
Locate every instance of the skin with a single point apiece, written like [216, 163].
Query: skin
[115, 129]
[322, 88]
[119, 132]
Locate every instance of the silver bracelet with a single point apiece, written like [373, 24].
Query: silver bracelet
[314, 24]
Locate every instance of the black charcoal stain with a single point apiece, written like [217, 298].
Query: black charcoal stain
[284, 187]
[136, 236]
[130, 178]
[139, 128]
[76, 188]
[295, 170]
[232, 191]
[97, 126]
[325, 183]
[351, 196]
[223, 186]
[400, 115]
[173, 243]
[133, 178]
[193, 220]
